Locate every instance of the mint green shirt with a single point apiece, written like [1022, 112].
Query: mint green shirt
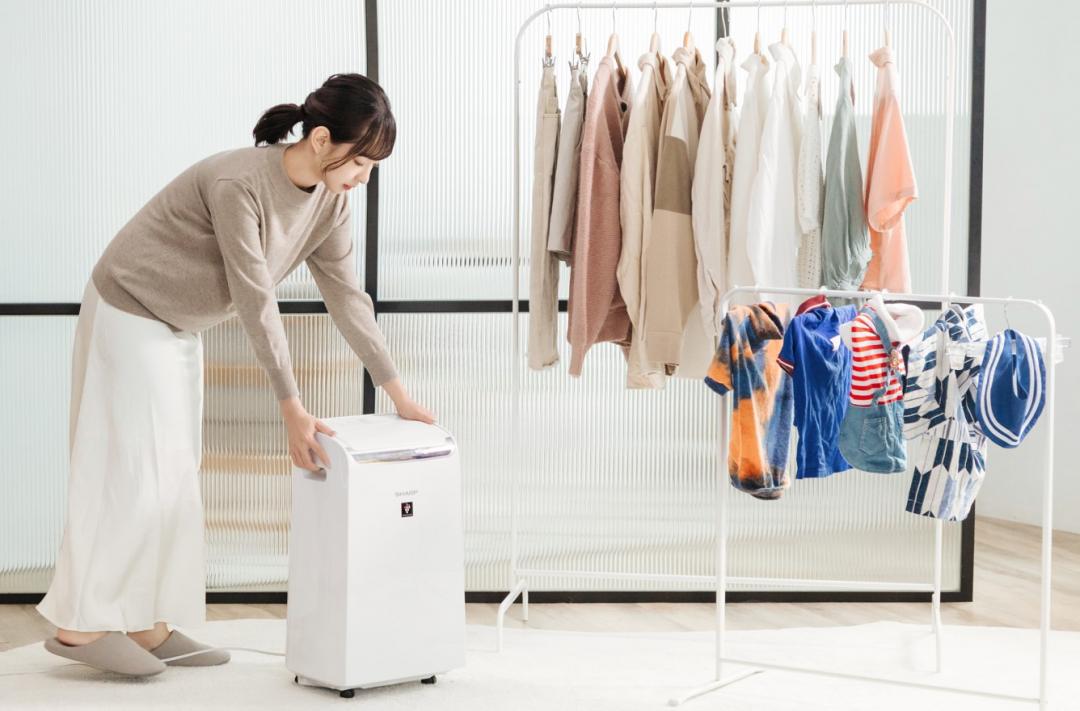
[845, 243]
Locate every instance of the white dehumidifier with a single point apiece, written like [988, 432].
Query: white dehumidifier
[376, 557]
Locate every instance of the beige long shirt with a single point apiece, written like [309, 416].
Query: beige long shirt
[637, 183]
[671, 290]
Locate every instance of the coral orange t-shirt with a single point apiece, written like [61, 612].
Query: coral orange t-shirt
[890, 184]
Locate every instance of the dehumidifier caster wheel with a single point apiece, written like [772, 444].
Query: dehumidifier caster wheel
[296, 679]
[347, 694]
[429, 680]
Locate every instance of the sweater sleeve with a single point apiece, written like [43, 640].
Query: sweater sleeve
[235, 217]
[333, 265]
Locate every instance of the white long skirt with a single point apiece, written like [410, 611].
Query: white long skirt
[132, 551]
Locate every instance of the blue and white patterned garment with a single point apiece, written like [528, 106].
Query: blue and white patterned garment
[947, 450]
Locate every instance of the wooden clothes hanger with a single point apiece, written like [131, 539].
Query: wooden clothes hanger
[688, 38]
[549, 58]
[613, 43]
[844, 35]
[757, 33]
[783, 32]
[888, 35]
[581, 54]
[654, 41]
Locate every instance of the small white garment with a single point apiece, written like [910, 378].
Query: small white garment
[132, 550]
[903, 322]
[751, 122]
[773, 232]
[711, 194]
[811, 184]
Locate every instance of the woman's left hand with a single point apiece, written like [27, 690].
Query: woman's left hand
[412, 410]
[406, 407]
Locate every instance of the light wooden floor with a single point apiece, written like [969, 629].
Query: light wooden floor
[1006, 594]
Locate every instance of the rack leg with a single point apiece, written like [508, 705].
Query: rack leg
[935, 605]
[503, 607]
[718, 684]
[723, 491]
[1048, 511]
[525, 604]
[721, 534]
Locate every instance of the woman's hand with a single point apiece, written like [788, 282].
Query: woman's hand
[413, 410]
[302, 427]
[406, 407]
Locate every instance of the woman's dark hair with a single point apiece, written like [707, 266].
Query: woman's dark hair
[352, 107]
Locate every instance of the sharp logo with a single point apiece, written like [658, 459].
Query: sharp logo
[405, 493]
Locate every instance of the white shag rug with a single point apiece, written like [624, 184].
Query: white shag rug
[542, 669]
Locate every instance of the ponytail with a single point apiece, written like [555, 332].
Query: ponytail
[352, 107]
[277, 123]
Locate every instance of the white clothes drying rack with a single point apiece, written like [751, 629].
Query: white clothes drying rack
[520, 576]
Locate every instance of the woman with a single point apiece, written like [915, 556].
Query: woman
[212, 243]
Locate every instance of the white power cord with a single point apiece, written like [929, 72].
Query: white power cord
[167, 659]
[214, 649]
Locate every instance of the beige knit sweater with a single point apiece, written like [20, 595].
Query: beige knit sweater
[219, 237]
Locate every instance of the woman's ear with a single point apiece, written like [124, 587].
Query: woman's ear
[320, 140]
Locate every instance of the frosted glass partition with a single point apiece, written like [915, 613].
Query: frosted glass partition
[608, 471]
[125, 95]
[446, 195]
[246, 485]
[129, 94]
[36, 384]
[245, 468]
[624, 480]
[614, 479]
[446, 210]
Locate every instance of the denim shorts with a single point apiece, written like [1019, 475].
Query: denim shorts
[871, 438]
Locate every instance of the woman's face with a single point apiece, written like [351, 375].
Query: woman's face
[347, 176]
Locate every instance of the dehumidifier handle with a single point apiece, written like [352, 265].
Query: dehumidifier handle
[398, 455]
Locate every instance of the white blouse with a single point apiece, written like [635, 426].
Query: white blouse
[773, 230]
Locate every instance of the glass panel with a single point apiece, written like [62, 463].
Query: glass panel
[245, 473]
[246, 470]
[131, 103]
[607, 472]
[446, 219]
[446, 212]
[36, 383]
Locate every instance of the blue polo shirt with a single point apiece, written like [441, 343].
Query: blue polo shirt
[819, 364]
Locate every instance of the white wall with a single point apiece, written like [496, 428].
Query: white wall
[1031, 153]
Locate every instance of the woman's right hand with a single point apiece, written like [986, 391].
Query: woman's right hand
[302, 426]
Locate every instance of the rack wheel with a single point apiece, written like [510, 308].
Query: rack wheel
[347, 694]
[429, 680]
[296, 679]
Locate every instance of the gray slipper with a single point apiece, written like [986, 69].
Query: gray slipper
[178, 643]
[115, 652]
